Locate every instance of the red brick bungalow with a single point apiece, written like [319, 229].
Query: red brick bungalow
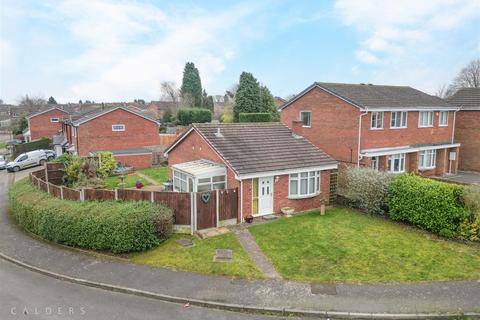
[271, 167]
[46, 123]
[120, 130]
[392, 128]
[467, 129]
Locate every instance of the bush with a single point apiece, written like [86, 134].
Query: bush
[107, 164]
[43, 143]
[109, 225]
[472, 199]
[186, 116]
[255, 117]
[470, 228]
[365, 189]
[431, 205]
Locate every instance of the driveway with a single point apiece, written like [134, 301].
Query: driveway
[464, 177]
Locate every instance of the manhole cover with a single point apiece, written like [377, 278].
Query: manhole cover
[329, 289]
[223, 255]
[187, 243]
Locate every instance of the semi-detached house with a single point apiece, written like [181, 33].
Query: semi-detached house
[392, 128]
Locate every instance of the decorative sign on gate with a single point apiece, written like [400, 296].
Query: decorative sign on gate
[205, 197]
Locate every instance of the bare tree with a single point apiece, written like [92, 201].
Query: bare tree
[31, 103]
[170, 92]
[445, 91]
[468, 77]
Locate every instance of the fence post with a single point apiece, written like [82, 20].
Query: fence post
[217, 207]
[151, 197]
[48, 187]
[61, 192]
[46, 172]
[192, 209]
[82, 194]
[116, 194]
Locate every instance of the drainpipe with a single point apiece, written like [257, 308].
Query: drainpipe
[360, 135]
[454, 118]
[241, 201]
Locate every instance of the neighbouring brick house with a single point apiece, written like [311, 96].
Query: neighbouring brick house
[467, 129]
[126, 133]
[392, 128]
[46, 123]
[271, 167]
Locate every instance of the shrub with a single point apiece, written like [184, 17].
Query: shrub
[43, 143]
[255, 117]
[431, 205]
[108, 225]
[472, 199]
[186, 116]
[365, 189]
[107, 164]
[470, 228]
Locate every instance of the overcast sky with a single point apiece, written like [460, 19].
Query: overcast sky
[108, 50]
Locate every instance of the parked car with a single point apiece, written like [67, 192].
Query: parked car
[26, 160]
[14, 142]
[3, 162]
[50, 154]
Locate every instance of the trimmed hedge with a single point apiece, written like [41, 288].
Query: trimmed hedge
[255, 117]
[109, 225]
[43, 143]
[186, 116]
[431, 205]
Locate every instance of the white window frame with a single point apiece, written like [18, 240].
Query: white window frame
[213, 185]
[298, 178]
[376, 121]
[309, 119]
[54, 119]
[374, 163]
[440, 118]
[391, 162]
[421, 119]
[402, 120]
[427, 159]
[178, 178]
[120, 129]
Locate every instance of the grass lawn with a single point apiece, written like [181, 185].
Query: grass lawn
[130, 180]
[199, 258]
[347, 246]
[159, 174]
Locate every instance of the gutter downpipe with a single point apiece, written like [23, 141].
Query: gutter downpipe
[453, 138]
[241, 201]
[360, 135]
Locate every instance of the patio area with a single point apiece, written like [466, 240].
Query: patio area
[463, 177]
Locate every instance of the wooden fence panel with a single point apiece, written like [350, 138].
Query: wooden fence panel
[228, 204]
[71, 194]
[134, 195]
[99, 194]
[179, 202]
[55, 191]
[43, 185]
[206, 209]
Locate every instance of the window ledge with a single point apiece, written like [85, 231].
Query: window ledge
[396, 128]
[426, 168]
[443, 125]
[304, 196]
[420, 127]
[376, 129]
[306, 126]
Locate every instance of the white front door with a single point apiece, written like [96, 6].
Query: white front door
[265, 195]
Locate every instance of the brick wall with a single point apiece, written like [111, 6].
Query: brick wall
[41, 125]
[467, 132]
[140, 161]
[97, 134]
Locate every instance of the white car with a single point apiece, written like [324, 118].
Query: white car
[3, 162]
[26, 160]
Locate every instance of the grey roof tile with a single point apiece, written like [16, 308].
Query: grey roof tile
[467, 99]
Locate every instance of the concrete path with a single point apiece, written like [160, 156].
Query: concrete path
[250, 245]
[276, 296]
[463, 177]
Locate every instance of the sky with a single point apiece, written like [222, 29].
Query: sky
[115, 50]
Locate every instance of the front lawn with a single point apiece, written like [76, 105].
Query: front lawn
[199, 258]
[159, 174]
[347, 246]
[130, 180]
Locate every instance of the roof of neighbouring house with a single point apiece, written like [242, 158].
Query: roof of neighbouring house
[250, 148]
[45, 111]
[125, 152]
[369, 96]
[466, 98]
[85, 117]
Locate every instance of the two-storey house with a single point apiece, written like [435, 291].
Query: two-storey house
[46, 123]
[392, 128]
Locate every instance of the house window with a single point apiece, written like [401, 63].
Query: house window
[425, 119]
[211, 183]
[304, 184]
[54, 120]
[427, 159]
[398, 119]
[118, 127]
[443, 119]
[305, 117]
[376, 120]
[374, 163]
[396, 163]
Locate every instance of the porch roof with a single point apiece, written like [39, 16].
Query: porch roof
[201, 168]
[406, 149]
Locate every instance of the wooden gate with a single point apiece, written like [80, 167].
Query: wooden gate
[206, 206]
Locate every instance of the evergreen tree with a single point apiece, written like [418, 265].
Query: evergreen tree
[204, 99]
[268, 103]
[191, 89]
[210, 105]
[247, 98]
[51, 100]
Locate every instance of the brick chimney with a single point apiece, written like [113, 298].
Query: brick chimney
[297, 127]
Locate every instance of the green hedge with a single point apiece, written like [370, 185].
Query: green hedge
[431, 205]
[255, 117]
[109, 225]
[186, 116]
[43, 143]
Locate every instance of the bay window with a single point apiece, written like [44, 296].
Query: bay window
[427, 159]
[304, 184]
[396, 163]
